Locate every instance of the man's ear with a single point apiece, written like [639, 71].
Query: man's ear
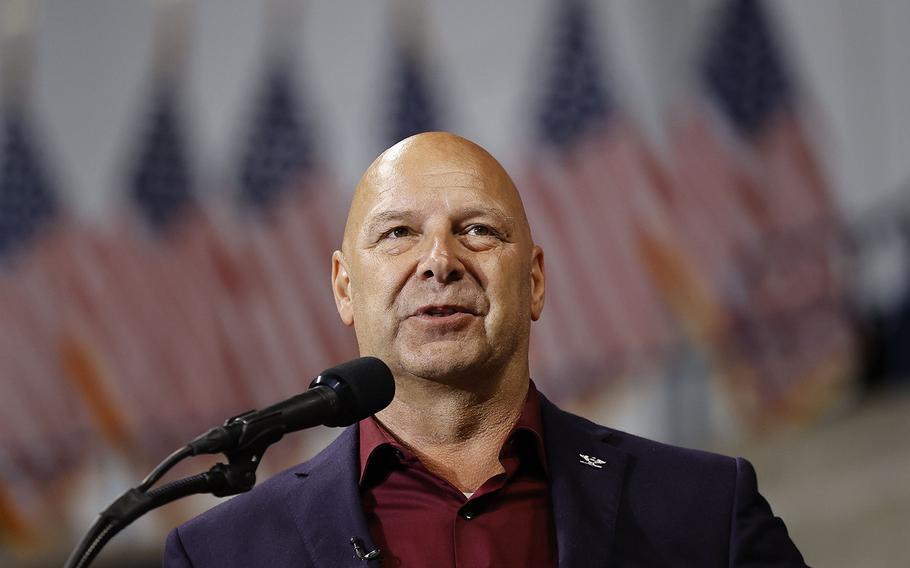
[341, 288]
[538, 283]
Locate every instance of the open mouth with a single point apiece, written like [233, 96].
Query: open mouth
[442, 311]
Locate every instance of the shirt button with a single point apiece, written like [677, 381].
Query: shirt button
[468, 513]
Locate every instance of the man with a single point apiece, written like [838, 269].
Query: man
[469, 465]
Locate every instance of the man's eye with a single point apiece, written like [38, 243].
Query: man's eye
[398, 232]
[480, 231]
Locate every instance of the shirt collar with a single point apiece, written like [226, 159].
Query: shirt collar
[375, 439]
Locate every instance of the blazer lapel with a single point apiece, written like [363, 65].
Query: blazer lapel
[327, 506]
[586, 477]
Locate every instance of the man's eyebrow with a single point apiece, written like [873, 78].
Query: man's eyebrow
[480, 210]
[388, 216]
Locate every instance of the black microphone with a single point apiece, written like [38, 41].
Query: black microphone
[339, 396]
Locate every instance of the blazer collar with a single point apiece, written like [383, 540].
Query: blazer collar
[327, 507]
[586, 476]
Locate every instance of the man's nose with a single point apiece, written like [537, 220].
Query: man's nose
[441, 262]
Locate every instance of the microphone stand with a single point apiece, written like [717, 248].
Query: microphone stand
[221, 480]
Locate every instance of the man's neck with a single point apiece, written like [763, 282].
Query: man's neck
[457, 433]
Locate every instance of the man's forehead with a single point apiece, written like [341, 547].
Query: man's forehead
[456, 194]
[434, 183]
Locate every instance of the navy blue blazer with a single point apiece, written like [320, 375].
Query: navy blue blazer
[647, 504]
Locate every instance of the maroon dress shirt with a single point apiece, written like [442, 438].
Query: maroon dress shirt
[419, 519]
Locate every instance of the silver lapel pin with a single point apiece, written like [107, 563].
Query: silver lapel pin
[591, 461]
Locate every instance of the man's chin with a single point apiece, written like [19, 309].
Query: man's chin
[444, 361]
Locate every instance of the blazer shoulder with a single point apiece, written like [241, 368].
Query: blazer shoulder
[217, 536]
[647, 448]
[696, 504]
[571, 425]
[258, 515]
[260, 500]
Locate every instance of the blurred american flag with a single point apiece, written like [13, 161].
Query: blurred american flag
[591, 193]
[45, 430]
[294, 218]
[792, 337]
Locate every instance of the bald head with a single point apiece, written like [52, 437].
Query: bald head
[437, 272]
[433, 161]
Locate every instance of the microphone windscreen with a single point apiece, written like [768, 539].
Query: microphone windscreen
[364, 385]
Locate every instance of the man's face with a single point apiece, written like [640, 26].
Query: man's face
[438, 273]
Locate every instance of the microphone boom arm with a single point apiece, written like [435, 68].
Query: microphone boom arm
[221, 480]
